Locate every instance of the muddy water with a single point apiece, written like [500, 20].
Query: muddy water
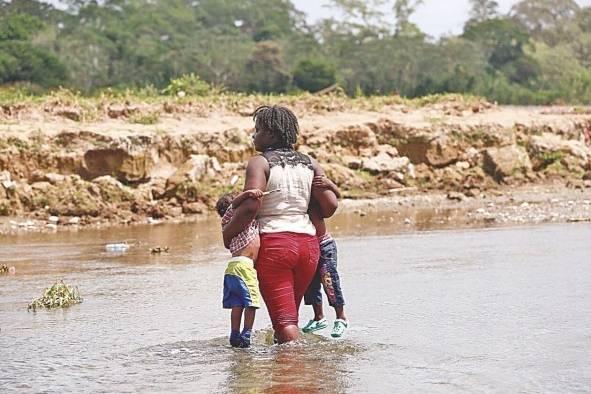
[481, 310]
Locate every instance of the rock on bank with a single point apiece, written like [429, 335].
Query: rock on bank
[119, 172]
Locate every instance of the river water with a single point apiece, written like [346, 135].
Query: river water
[479, 310]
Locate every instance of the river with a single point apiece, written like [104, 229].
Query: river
[475, 310]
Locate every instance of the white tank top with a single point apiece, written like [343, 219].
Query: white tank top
[291, 173]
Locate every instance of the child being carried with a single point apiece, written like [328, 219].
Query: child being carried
[241, 287]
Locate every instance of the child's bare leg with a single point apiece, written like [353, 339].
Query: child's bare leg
[249, 314]
[235, 319]
[318, 312]
[340, 312]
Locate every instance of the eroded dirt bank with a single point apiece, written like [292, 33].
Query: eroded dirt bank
[57, 171]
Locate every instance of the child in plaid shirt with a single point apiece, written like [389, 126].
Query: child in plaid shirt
[241, 287]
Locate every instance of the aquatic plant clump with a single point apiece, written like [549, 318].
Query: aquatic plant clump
[59, 295]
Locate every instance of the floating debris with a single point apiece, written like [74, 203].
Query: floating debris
[159, 249]
[6, 270]
[59, 295]
[578, 220]
[117, 247]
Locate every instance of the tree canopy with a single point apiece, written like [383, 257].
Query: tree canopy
[537, 53]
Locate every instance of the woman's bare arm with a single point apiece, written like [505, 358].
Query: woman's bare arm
[256, 178]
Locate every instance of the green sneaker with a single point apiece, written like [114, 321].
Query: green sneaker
[315, 325]
[339, 328]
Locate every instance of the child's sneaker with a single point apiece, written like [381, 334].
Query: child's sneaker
[235, 339]
[339, 328]
[245, 338]
[315, 325]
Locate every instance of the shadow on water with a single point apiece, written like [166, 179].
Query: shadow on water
[313, 364]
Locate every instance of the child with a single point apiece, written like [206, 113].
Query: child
[241, 287]
[326, 273]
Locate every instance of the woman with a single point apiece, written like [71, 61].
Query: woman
[289, 248]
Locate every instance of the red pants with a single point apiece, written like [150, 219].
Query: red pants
[285, 267]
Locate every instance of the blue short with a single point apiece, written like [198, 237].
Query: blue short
[241, 287]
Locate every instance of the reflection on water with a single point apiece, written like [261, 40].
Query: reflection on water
[313, 365]
[501, 310]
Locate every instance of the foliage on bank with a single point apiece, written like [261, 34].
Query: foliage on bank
[538, 53]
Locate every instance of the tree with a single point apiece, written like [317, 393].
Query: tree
[314, 74]
[559, 68]
[504, 42]
[366, 12]
[19, 27]
[546, 20]
[403, 9]
[483, 10]
[20, 60]
[266, 72]
[582, 43]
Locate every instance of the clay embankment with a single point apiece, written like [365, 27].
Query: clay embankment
[58, 170]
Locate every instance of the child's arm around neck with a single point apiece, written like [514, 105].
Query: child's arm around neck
[243, 215]
[239, 199]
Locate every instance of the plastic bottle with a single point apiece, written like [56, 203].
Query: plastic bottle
[117, 247]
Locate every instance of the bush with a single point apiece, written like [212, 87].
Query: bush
[189, 84]
[146, 118]
[314, 75]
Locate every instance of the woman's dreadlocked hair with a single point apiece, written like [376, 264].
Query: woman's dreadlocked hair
[279, 121]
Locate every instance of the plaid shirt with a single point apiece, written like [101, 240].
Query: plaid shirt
[242, 240]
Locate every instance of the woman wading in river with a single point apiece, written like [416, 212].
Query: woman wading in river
[289, 248]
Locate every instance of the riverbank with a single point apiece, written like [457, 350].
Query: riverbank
[121, 166]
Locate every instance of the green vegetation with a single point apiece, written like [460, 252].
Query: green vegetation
[20, 59]
[59, 295]
[145, 118]
[189, 84]
[314, 74]
[4, 208]
[538, 53]
[547, 159]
